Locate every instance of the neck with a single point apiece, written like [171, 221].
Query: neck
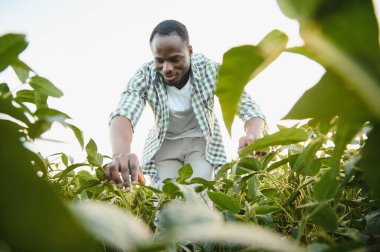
[183, 82]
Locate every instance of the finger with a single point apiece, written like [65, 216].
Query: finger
[242, 142]
[141, 178]
[124, 171]
[134, 168]
[114, 171]
[107, 168]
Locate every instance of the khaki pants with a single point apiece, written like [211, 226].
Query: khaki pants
[173, 154]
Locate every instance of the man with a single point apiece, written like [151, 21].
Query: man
[180, 87]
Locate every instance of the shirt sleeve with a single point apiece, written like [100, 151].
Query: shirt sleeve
[248, 108]
[132, 100]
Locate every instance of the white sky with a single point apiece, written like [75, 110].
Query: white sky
[90, 49]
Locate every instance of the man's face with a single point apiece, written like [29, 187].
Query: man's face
[171, 58]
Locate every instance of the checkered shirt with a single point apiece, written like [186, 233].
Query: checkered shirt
[147, 86]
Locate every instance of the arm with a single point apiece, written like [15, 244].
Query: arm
[254, 128]
[123, 161]
[254, 120]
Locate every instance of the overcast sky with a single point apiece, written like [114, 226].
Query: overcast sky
[90, 49]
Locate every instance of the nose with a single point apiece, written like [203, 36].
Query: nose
[167, 67]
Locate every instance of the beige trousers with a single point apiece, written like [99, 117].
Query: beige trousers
[173, 154]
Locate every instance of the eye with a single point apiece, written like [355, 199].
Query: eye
[158, 61]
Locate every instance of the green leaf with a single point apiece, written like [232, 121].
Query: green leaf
[21, 70]
[69, 169]
[266, 209]
[86, 185]
[324, 217]
[242, 64]
[204, 182]
[25, 95]
[100, 174]
[283, 137]
[25, 230]
[91, 148]
[250, 163]
[44, 86]
[185, 172]
[112, 225]
[269, 192]
[78, 134]
[96, 159]
[224, 201]
[253, 185]
[48, 113]
[306, 163]
[84, 176]
[11, 45]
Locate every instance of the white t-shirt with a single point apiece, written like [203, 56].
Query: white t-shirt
[182, 120]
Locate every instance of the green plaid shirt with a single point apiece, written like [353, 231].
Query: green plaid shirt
[147, 86]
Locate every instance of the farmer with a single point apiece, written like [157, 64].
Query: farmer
[180, 87]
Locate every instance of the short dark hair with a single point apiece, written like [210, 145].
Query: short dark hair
[168, 27]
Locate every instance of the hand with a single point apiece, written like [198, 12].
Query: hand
[125, 164]
[244, 141]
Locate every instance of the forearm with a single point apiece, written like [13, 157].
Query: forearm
[121, 134]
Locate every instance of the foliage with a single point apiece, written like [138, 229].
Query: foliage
[316, 188]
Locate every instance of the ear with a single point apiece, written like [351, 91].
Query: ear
[190, 50]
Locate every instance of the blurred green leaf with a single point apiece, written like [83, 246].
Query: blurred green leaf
[330, 97]
[44, 86]
[5, 93]
[21, 69]
[242, 64]
[200, 223]
[345, 38]
[224, 201]
[324, 217]
[373, 223]
[38, 128]
[111, 225]
[11, 45]
[282, 137]
[327, 186]
[26, 230]
[370, 161]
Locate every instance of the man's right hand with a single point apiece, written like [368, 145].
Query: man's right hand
[123, 169]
